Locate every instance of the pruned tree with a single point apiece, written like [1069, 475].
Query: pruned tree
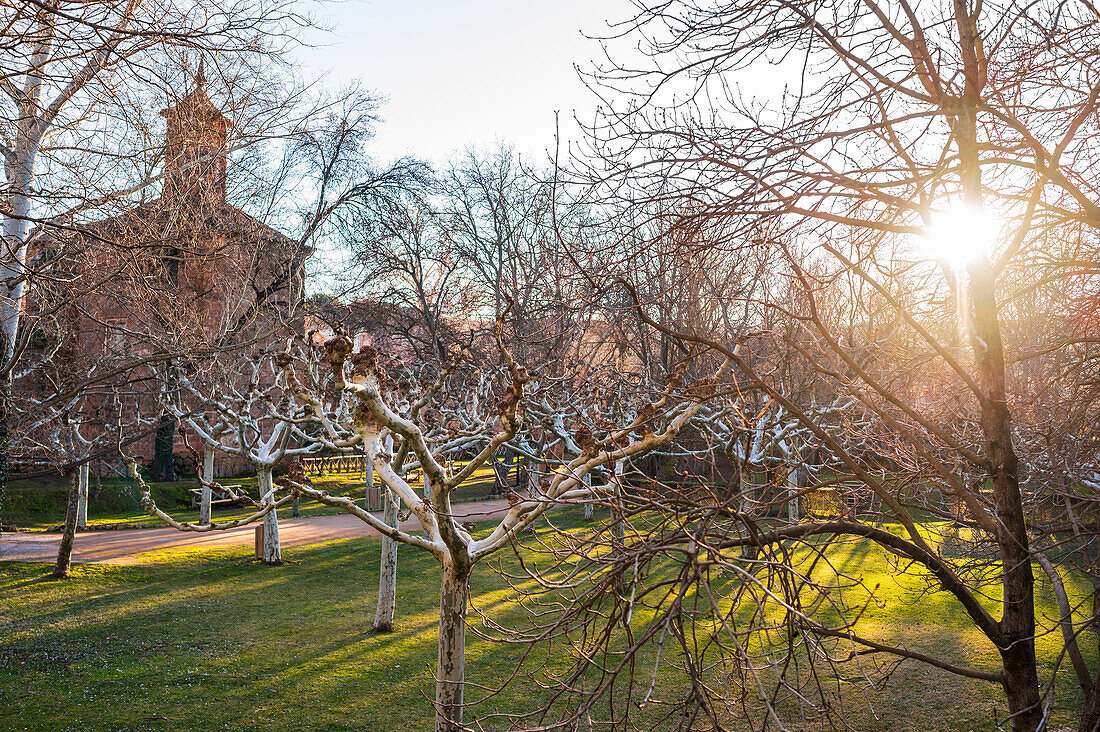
[248, 415]
[442, 536]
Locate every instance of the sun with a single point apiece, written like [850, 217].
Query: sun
[960, 234]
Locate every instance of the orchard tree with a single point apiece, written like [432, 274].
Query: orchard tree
[247, 415]
[299, 409]
[442, 536]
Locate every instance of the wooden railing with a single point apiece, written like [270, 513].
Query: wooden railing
[334, 465]
[344, 465]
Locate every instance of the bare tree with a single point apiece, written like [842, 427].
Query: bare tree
[85, 159]
[249, 416]
[901, 120]
[443, 537]
[358, 379]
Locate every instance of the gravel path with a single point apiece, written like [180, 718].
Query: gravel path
[126, 546]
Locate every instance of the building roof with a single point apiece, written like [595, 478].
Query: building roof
[160, 219]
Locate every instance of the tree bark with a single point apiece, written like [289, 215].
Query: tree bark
[1017, 625]
[1090, 715]
[82, 497]
[454, 595]
[981, 313]
[207, 480]
[618, 529]
[272, 552]
[371, 498]
[5, 439]
[64, 561]
[387, 579]
[748, 551]
[20, 176]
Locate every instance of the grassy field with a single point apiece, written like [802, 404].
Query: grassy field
[40, 505]
[213, 640]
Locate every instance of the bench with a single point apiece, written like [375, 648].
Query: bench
[217, 497]
[855, 495]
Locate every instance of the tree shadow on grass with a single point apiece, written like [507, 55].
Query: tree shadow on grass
[207, 639]
[221, 637]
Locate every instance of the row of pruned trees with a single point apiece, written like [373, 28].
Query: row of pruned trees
[328, 397]
[781, 246]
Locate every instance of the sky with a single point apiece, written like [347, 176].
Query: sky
[465, 72]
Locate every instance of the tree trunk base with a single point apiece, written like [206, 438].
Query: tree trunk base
[451, 663]
[1090, 716]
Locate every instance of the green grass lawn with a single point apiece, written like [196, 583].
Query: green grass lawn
[40, 505]
[213, 640]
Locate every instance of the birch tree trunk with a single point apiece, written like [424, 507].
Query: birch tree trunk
[20, 180]
[387, 578]
[207, 479]
[454, 595]
[272, 552]
[82, 497]
[19, 174]
[64, 561]
[5, 437]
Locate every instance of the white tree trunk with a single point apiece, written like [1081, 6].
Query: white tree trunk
[272, 552]
[387, 578]
[370, 502]
[20, 180]
[207, 479]
[82, 497]
[454, 594]
[589, 506]
[796, 481]
[748, 551]
[618, 531]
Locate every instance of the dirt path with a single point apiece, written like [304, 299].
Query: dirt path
[127, 546]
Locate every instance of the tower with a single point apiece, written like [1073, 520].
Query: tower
[195, 148]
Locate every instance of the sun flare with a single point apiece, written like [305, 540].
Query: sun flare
[960, 234]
